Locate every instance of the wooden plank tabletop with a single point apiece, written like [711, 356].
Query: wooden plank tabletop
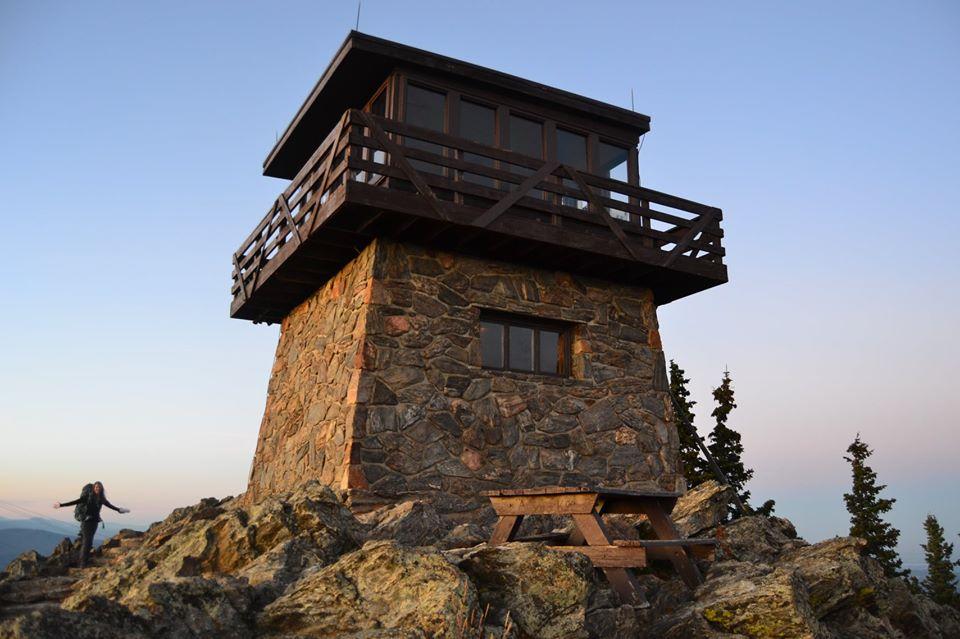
[579, 490]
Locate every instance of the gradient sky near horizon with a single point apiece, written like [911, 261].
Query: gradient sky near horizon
[133, 136]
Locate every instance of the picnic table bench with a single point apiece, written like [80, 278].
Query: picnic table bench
[591, 537]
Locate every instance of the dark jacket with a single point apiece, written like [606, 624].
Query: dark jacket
[94, 503]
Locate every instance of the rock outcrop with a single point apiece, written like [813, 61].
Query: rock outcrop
[702, 508]
[302, 565]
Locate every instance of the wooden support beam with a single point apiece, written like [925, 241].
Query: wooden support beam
[665, 529]
[506, 529]
[595, 534]
[609, 556]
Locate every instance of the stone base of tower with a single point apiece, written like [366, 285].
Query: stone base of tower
[378, 387]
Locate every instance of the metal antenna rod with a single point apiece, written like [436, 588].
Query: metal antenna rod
[358, 15]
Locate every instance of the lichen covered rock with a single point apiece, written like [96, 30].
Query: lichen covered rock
[382, 586]
[297, 566]
[547, 594]
[702, 508]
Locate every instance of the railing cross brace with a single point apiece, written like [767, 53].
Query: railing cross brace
[285, 208]
[511, 198]
[601, 210]
[398, 156]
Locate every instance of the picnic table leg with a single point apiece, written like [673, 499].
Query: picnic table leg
[507, 526]
[591, 528]
[664, 528]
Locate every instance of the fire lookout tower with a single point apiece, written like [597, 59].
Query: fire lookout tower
[467, 273]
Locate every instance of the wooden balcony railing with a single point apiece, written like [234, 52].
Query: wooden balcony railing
[392, 166]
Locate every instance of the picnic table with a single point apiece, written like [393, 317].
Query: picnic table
[590, 536]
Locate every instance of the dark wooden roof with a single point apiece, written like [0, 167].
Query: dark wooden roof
[363, 62]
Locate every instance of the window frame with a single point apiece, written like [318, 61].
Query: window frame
[388, 91]
[564, 342]
[548, 117]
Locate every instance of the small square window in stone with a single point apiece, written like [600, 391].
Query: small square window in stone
[524, 345]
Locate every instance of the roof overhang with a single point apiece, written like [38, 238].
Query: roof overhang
[362, 63]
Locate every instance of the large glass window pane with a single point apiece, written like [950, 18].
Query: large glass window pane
[521, 348]
[572, 151]
[491, 344]
[549, 352]
[478, 124]
[526, 137]
[612, 163]
[425, 108]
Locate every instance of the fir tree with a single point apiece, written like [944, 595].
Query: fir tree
[866, 508]
[725, 443]
[689, 452]
[766, 509]
[940, 583]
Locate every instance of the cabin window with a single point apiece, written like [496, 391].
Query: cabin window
[572, 151]
[524, 345]
[377, 106]
[425, 108]
[612, 163]
[525, 136]
[478, 123]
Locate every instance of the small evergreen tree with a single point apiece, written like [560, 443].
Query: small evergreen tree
[940, 583]
[866, 508]
[689, 452]
[725, 443]
[766, 509]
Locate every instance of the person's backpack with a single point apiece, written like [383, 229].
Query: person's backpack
[80, 510]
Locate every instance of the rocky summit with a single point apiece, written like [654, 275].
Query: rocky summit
[303, 565]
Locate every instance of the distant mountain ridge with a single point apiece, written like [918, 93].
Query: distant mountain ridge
[69, 528]
[20, 535]
[14, 541]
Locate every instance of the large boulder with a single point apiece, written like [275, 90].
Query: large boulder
[850, 594]
[102, 619]
[756, 539]
[409, 523]
[701, 508]
[177, 608]
[547, 594]
[31, 564]
[26, 565]
[381, 587]
[465, 536]
[778, 586]
[742, 600]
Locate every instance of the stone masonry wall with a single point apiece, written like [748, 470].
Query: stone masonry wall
[308, 421]
[379, 389]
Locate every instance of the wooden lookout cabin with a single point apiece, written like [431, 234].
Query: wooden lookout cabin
[466, 271]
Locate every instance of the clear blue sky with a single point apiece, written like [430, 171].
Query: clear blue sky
[133, 135]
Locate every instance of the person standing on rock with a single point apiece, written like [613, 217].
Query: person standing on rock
[92, 498]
